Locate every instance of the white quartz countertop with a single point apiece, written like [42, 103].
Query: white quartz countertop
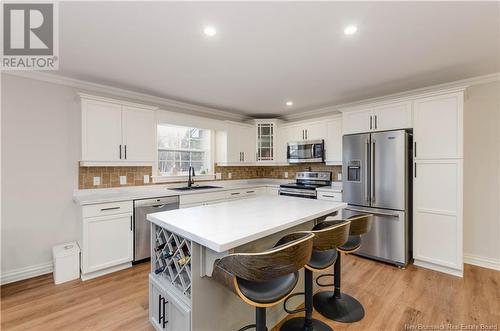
[227, 225]
[94, 196]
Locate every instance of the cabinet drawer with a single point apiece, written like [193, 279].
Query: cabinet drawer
[103, 209]
[332, 196]
[190, 199]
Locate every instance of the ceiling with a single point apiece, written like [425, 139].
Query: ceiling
[266, 53]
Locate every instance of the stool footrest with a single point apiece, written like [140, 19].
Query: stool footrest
[296, 310]
[248, 327]
[324, 285]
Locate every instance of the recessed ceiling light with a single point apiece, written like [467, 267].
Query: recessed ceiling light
[289, 103]
[210, 31]
[350, 29]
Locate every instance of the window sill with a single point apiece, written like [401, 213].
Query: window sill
[179, 179]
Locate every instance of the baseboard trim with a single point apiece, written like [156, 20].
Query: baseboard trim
[98, 273]
[481, 261]
[436, 267]
[26, 272]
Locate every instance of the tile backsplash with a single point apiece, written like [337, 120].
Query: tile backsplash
[110, 176]
[247, 172]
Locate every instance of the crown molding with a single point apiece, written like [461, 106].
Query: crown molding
[455, 86]
[162, 103]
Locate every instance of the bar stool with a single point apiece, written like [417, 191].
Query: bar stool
[336, 305]
[327, 237]
[265, 279]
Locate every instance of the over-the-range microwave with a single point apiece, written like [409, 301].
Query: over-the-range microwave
[306, 151]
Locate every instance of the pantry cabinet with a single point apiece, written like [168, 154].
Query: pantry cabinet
[116, 133]
[377, 117]
[438, 182]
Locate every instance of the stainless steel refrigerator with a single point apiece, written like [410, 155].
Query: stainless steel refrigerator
[376, 180]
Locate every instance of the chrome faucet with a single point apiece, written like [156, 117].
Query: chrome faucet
[190, 176]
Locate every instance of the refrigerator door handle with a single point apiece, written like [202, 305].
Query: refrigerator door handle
[367, 153]
[370, 212]
[372, 170]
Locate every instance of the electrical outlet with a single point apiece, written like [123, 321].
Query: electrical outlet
[339, 176]
[146, 179]
[97, 181]
[123, 180]
[229, 175]
[218, 175]
[285, 174]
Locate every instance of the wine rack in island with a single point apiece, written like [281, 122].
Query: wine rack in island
[171, 259]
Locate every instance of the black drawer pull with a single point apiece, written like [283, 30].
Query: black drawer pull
[110, 208]
[328, 196]
[250, 191]
[235, 193]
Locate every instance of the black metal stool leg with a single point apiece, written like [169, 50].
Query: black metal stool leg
[336, 305]
[306, 323]
[260, 319]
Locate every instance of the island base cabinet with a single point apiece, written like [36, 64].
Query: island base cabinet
[166, 312]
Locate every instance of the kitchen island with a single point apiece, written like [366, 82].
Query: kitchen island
[186, 242]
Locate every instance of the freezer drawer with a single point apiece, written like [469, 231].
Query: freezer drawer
[388, 239]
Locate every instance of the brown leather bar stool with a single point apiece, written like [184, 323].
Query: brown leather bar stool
[336, 305]
[265, 279]
[327, 237]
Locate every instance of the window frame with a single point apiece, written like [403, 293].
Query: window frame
[158, 178]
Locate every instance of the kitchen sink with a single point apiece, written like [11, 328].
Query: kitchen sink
[196, 187]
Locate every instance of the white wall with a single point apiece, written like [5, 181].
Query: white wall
[40, 149]
[41, 142]
[482, 175]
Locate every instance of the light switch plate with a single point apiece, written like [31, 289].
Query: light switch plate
[146, 179]
[285, 174]
[339, 176]
[123, 180]
[218, 175]
[229, 175]
[97, 181]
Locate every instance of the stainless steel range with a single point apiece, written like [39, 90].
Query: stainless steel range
[306, 183]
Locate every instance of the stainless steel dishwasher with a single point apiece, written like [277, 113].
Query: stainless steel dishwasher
[142, 228]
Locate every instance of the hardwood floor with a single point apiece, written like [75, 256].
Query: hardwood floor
[392, 299]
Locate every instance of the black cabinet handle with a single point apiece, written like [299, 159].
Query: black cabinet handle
[371, 122]
[328, 196]
[415, 148]
[165, 321]
[375, 126]
[415, 169]
[131, 223]
[250, 191]
[125, 152]
[235, 193]
[120, 152]
[160, 315]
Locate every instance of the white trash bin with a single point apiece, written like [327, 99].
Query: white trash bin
[66, 262]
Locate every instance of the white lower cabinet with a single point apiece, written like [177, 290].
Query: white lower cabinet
[166, 310]
[209, 198]
[107, 238]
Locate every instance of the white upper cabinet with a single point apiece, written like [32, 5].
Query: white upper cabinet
[333, 141]
[138, 134]
[101, 131]
[305, 131]
[115, 133]
[267, 140]
[235, 144]
[438, 127]
[357, 121]
[392, 117]
[377, 117]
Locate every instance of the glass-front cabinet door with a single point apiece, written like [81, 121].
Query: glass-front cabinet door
[265, 141]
